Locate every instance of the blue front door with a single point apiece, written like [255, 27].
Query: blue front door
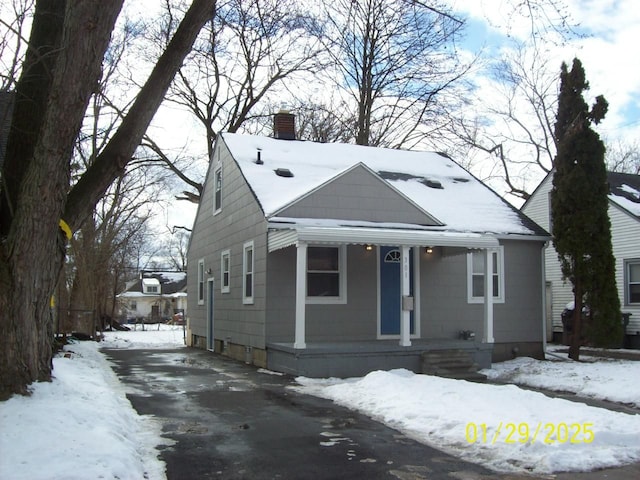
[390, 290]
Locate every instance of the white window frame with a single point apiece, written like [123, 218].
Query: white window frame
[225, 275]
[498, 262]
[201, 281]
[627, 280]
[217, 189]
[342, 277]
[248, 270]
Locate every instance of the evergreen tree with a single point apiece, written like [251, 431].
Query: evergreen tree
[579, 203]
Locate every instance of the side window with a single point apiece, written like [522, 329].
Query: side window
[225, 271]
[475, 276]
[201, 281]
[247, 273]
[217, 190]
[632, 282]
[326, 274]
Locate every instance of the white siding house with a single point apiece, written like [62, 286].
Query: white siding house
[624, 213]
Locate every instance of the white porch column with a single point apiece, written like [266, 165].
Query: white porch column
[488, 297]
[301, 295]
[405, 319]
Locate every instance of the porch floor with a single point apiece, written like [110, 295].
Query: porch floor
[354, 359]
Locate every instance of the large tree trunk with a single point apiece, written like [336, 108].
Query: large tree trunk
[33, 247]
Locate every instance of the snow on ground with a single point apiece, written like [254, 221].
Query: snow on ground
[600, 378]
[81, 425]
[153, 336]
[504, 428]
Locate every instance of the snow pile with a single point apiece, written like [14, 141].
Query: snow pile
[613, 380]
[79, 426]
[504, 428]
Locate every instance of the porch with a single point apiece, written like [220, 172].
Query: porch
[355, 359]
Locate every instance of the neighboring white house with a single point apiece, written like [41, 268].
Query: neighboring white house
[154, 297]
[624, 213]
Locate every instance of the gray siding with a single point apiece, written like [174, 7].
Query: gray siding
[240, 220]
[444, 307]
[358, 194]
[353, 321]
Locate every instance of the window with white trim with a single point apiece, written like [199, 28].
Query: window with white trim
[475, 275]
[201, 281]
[632, 282]
[326, 274]
[247, 273]
[225, 271]
[217, 190]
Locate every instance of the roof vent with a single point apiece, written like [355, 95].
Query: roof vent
[259, 158]
[432, 183]
[283, 172]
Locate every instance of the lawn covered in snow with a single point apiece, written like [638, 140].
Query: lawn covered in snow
[81, 425]
[502, 427]
[593, 377]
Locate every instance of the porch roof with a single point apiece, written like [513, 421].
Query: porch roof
[282, 235]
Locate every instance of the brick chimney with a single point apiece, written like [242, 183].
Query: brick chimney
[284, 125]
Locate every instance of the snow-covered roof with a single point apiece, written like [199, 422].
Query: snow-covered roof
[432, 181]
[169, 283]
[624, 190]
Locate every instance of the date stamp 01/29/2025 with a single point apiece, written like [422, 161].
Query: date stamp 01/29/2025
[522, 433]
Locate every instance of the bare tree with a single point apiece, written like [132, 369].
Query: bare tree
[395, 58]
[15, 16]
[243, 55]
[514, 124]
[37, 207]
[623, 156]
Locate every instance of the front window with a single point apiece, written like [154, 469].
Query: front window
[247, 273]
[201, 282]
[325, 274]
[225, 271]
[475, 276]
[632, 282]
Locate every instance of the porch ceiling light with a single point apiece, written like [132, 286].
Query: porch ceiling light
[429, 250]
[368, 247]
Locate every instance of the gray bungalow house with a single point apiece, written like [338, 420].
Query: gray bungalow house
[324, 259]
[624, 214]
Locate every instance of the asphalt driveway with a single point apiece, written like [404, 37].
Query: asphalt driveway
[229, 420]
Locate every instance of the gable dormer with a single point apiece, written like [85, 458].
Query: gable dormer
[151, 286]
[358, 194]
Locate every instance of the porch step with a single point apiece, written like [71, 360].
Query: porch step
[457, 364]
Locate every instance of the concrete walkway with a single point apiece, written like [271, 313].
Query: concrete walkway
[225, 419]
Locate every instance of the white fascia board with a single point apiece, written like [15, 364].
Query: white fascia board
[377, 236]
